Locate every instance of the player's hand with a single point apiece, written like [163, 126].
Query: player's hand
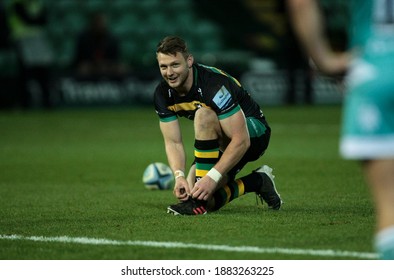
[204, 188]
[181, 189]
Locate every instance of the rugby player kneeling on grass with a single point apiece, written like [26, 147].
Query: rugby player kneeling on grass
[230, 130]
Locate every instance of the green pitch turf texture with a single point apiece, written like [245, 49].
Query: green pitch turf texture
[77, 173]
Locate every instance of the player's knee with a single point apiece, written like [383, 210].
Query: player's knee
[206, 124]
[205, 118]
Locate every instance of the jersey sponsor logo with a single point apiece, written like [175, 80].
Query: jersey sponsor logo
[222, 97]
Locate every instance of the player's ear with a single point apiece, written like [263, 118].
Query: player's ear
[190, 60]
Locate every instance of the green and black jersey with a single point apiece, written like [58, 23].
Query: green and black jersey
[212, 88]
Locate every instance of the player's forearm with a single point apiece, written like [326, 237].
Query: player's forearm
[232, 154]
[176, 156]
[308, 23]
[173, 145]
[235, 129]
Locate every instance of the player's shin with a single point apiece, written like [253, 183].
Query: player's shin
[206, 154]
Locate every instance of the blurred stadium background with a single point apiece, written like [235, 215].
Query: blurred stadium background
[250, 39]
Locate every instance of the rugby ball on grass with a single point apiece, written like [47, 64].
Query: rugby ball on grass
[158, 176]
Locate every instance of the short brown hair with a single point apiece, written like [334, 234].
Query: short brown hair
[172, 45]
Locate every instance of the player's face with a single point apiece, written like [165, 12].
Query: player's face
[176, 70]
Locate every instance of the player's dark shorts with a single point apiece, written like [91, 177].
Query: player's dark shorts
[260, 134]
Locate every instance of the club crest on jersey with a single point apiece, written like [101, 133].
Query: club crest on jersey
[222, 97]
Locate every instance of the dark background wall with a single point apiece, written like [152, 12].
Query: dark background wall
[240, 36]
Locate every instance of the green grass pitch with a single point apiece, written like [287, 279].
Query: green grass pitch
[77, 173]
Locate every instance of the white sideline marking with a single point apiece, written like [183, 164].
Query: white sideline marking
[178, 245]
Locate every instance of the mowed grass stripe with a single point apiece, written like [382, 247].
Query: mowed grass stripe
[181, 245]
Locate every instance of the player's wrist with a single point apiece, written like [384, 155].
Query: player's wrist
[179, 174]
[214, 175]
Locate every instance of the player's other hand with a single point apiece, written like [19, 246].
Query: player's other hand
[181, 189]
[204, 188]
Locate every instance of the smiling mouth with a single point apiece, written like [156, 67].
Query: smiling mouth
[172, 80]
